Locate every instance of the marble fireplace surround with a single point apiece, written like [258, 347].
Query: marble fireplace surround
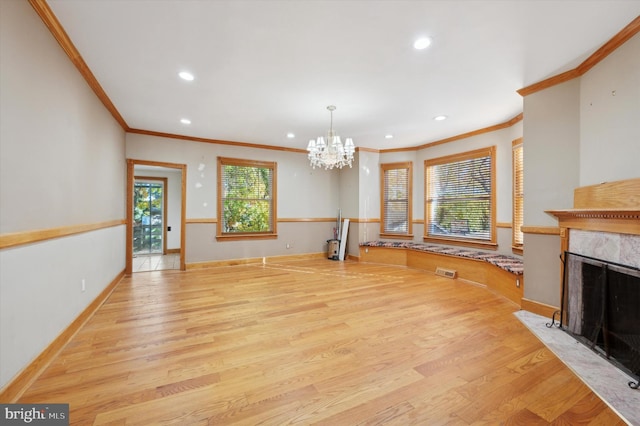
[623, 249]
[605, 224]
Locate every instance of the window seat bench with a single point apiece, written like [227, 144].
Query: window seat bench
[498, 272]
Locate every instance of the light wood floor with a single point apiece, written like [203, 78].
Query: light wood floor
[311, 342]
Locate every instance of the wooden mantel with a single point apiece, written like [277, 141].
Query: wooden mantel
[607, 207]
[619, 221]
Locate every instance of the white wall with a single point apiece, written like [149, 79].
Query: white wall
[369, 185]
[62, 164]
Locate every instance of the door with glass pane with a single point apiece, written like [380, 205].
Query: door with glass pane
[148, 217]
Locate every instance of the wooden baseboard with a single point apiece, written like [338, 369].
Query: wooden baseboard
[16, 387]
[254, 260]
[173, 251]
[538, 308]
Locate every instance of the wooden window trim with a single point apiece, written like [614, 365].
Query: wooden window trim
[490, 244]
[393, 166]
[517, 200]
[273, 234]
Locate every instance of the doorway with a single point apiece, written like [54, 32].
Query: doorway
[156, 208]
[149, 212]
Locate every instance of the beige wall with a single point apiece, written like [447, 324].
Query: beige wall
[551, 169]
[576, 133]
[610, 117]
[302, 238]
[62, 164]
[302, 193]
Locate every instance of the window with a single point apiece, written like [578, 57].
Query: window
[460, 198]
[518, 194]
[246, 199]
[396, 194]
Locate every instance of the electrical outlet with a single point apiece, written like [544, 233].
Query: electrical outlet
[84, 285]
[289, 245]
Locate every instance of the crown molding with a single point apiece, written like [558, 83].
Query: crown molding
[493, 128]
[50, 21]
[214, 141]
[616, 41]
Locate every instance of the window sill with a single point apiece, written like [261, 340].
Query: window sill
[517, 250]
[487, 245]
[239, 237]
[397, 236]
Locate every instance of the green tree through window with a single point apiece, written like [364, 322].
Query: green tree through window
[460, 197]
[247, 197]
[148, 205]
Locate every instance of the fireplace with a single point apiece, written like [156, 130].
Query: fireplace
[600, 276]
[600, 301]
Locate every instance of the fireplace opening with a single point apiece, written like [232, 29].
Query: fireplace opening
[601, 309]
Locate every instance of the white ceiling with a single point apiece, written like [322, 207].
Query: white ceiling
[264, 68]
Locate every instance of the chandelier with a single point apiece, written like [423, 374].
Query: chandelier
[331, 153]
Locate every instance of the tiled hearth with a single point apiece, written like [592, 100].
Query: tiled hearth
[607, 381]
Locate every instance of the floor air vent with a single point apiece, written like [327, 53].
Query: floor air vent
[448, 273]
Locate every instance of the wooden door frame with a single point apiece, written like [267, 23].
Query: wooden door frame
[131, 163]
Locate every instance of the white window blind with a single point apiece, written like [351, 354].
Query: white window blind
[396, 198]
[460, 199]
[518, 192]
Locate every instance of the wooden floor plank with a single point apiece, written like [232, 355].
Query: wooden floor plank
[310, 342]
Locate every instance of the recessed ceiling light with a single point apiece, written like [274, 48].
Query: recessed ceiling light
[186, 76]
[291, 135]
[422, 43]
[388, 136]
[440, 117]
[185, 121]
